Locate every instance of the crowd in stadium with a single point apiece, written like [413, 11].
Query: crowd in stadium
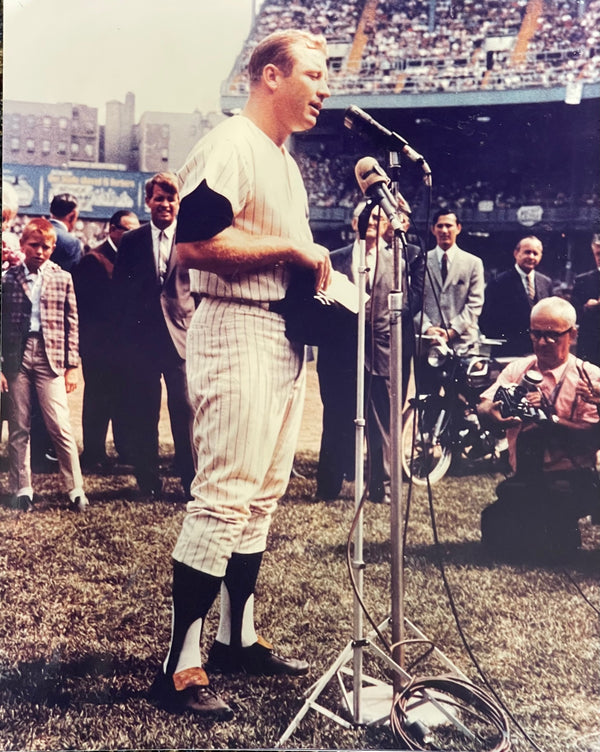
[330, 182]
[395, 46]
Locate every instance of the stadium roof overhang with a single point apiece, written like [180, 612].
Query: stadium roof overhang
[233, 103]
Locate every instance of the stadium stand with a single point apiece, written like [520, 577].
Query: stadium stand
[403, 46]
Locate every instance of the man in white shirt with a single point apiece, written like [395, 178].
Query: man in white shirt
[153, 307]
[92, 278]
[454, 284]
[510, 297]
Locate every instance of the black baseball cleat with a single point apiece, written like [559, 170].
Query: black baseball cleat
[198, 699]
[258, 659]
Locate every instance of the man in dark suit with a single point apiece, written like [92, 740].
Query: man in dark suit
[153, 308]
[586, 299]
[64, 212]
[336, 364]
[40, 355]
[510, 297]
[92, 278]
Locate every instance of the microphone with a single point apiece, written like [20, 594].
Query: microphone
[373, 182]
[358, 121]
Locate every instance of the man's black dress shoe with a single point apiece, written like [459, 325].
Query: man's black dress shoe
[200, 700]
[23, 503]
[258, 659]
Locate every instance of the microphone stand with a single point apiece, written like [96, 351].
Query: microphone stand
[395, 301]
[377, 694]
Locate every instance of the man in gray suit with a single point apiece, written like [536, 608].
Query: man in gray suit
[454, 285]
[336, 363]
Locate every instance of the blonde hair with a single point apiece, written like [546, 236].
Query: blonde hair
[277, 49]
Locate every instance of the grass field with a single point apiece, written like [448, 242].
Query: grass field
[86, 617]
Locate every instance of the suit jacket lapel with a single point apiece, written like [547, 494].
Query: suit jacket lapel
[434, 269]
[22, 280]
[454, 269]
[172, 260]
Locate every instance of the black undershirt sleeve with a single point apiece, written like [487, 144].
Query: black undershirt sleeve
[203, 213]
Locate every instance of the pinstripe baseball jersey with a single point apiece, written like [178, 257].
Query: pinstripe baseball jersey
[265, 192]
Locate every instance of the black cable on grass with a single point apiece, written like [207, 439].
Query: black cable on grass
[577, 587]
[456, 693]
[460, 630]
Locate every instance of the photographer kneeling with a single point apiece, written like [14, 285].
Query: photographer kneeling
[545, 403]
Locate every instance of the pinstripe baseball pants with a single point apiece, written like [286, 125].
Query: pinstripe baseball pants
[246, 383]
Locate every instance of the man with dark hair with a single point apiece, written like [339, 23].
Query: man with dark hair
[64, 212]
[244, 226]
[152, 310]
[510, 297]
[454, 285]
[40, 356]
[586, 299]
[92, 278]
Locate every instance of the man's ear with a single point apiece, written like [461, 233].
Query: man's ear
[72, 218]
[271, 76]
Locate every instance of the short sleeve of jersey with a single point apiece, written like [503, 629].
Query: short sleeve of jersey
[215, 188]
[203, 213]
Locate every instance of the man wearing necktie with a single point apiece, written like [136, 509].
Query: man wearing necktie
[511, 295]
[153, 308]
[454, 284]
[586, 299]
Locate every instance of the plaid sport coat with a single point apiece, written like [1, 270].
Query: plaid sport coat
[58, 313]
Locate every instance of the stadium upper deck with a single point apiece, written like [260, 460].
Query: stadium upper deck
[429, 53]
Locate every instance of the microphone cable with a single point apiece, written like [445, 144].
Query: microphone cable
[496, 711]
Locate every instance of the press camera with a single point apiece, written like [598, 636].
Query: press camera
[513, 400]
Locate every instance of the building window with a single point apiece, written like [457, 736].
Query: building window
[74, 148]
[61, 148]
[45, 146]
[47, 121]
[89, 150]
[30, 144]
[62, 123]
[15, 144]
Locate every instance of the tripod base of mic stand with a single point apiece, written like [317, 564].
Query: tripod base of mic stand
[374, 705]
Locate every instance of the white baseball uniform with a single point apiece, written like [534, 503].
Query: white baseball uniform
[246, 379]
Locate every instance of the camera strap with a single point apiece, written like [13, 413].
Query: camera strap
[548, 403]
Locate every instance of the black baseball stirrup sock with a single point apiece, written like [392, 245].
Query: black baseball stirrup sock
[240, 581]
[193, 594]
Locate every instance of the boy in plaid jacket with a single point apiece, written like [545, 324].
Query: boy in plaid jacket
[40, 351]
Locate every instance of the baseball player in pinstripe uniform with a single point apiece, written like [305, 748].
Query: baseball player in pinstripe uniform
[243, 224]
[40, 351]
